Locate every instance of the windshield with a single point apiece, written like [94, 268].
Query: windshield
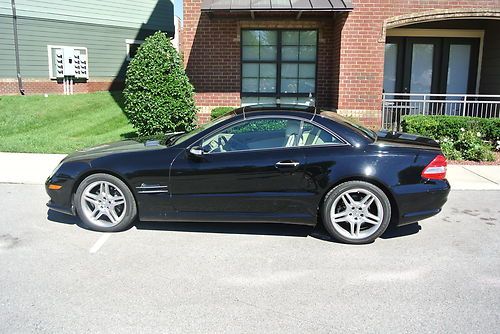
[351, 122]
[182, 138]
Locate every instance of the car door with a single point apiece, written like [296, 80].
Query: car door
[250, 170]
[323, 151]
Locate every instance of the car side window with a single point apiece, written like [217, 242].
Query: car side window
[314, 135]
[254, 134]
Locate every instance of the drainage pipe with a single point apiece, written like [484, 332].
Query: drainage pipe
[16, 47]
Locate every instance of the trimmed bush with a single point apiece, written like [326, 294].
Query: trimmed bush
[158, 95]
[471, 146]
[438, 127]
[461, 138]
[219, 111]
[449, 150]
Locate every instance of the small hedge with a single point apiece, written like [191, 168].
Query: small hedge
[158, 95]
[461, 138]
[438, 127]
[219, 111]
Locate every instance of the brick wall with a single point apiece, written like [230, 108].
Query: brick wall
[362, 47]
[34, 86]
[211, 48]
[350, 53]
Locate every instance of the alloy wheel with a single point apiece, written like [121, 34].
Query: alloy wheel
[103, 203]
[357, 213]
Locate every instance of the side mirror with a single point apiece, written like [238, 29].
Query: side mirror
[196, 151]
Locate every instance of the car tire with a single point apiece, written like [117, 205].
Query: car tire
[359, 217]
[105, 203]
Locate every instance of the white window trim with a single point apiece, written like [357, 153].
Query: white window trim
[131, 41]
[49, 53]
[467, 33]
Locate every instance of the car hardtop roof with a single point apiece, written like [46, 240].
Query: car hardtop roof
[274, 107]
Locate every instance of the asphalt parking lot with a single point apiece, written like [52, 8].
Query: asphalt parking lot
[442, 275]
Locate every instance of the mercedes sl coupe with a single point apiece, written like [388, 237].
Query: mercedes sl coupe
[275, 163]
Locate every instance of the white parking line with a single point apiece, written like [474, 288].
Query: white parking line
[98, 244]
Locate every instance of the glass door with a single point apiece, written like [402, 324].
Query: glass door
[390, 67]
[428, 65]
[421, 72]
[422, 65]
[459, 71]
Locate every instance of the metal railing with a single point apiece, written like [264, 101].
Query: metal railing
[397, 105]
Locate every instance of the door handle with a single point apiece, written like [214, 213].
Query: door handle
[286, 164]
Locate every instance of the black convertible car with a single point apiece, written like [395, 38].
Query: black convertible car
[286, 164]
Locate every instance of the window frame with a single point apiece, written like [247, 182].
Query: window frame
[342, 141]
[129, 42]
[278, 94]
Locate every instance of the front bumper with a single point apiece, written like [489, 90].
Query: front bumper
[63, 209]
[61, 200]
[420, 201]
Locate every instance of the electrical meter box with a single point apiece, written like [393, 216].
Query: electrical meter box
[68, 61]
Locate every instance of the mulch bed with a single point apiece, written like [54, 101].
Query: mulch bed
[483, 163]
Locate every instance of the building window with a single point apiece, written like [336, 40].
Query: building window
[132, 47]
[278, 65]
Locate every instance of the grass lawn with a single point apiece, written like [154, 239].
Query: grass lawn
[61, 124]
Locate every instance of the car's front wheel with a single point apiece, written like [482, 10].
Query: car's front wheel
[105, 203]
[356, 212]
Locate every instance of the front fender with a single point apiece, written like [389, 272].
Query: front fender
[66, 175]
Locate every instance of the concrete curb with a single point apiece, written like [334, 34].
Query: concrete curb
[34, 168]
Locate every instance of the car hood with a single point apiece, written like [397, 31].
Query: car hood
[406, 139]
[123, 146]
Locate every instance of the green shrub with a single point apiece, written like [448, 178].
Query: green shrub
[220, 111]
[449, 150]
[461, 138]
[468, 146]
[158, 95]
[438, 127]
[472, 147]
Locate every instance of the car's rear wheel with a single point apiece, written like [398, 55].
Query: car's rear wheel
[105, 203]
[356, 212]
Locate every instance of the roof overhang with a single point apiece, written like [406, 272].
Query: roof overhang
[275, 6]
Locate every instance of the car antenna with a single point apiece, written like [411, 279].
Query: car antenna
[314, 113]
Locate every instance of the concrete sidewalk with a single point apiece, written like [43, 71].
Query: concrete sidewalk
[472, 177]
[32, 168]
[27, 168]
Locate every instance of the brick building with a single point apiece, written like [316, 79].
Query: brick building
[239, 52]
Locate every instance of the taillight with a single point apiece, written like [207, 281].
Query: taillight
[436, 169]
